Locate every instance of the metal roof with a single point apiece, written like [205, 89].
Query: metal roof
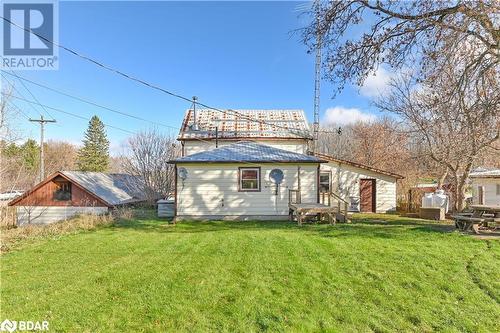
[114, 188]
[485, 173]
[358, 165]
[244, 124]
[247, 151]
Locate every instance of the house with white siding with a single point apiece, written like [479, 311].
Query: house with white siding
[243, 164]
[485, 186]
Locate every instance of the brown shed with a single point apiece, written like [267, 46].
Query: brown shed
[67, 193]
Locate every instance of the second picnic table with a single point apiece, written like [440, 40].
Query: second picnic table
[481, 215]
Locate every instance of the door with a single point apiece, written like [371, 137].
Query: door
[367, 195]
[480, 195]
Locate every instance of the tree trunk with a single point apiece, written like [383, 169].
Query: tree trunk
[442, 179]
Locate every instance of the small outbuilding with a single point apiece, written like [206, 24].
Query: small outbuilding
[67, 193]
[485, 186]
[367, 189]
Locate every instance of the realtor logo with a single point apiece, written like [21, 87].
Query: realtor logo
[29, 31]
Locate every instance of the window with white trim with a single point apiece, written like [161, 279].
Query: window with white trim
[249, 179]
[324, 182]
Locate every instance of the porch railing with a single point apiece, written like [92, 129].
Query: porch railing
[329, 198]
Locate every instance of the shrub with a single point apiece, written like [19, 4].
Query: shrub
[14, 237]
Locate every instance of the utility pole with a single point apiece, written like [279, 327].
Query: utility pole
[42, 122]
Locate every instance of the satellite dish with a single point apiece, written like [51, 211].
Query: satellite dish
[183, 173]
[276, 176]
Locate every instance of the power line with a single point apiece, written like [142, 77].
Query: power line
[29, 91]
[130, 132]
[69, 113]
[150, 85]
[87, 101]
[19, 109]
[17, 90]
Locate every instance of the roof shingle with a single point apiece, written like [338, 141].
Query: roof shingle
[244, 124]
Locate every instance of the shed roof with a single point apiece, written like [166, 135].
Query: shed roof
[485, 173]
[114, 188]
[111, 188]
[248, 151]
[245, 124]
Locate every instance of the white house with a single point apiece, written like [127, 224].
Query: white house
[485, 186]
[231, 160]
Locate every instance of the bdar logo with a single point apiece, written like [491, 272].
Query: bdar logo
[8, 326]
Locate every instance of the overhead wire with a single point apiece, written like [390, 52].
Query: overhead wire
[87, 101]
[69, 113]
[22, 95]
[32, 95]
[150, 85]
[131, 132]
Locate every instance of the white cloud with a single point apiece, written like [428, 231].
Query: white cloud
[376, 85]
[343, 116]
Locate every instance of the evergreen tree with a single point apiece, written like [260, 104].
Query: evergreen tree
[94, 155]
[28, 153]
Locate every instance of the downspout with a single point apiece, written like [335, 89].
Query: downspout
[175, 193]
[317, 183]
[299, 199]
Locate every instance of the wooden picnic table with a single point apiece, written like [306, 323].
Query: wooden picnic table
[481, 216]
[492, 209]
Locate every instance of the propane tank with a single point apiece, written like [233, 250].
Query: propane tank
[427, 200]
[440, 200]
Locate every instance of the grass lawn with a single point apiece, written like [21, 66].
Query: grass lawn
[380, 273]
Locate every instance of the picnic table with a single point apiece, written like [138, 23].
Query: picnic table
[481, 215]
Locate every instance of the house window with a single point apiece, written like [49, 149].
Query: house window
[62, 191]
[249, 179]
[498, 189]
[324, 182]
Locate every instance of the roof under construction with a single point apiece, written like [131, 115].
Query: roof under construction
[245, 124]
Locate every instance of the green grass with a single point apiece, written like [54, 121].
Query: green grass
[380, 273]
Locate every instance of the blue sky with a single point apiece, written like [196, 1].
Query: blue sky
[238, 55]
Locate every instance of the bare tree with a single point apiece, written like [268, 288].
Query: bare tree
[15, 173]
[337, 141]
[383, 144]
[59, 155]
[453, 131]
[147, 155]
[419, 34]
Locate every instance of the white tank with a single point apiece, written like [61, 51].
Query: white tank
[427, 200]
[440, 200]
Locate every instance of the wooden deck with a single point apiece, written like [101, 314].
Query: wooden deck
[320, 210]
[302, 209]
